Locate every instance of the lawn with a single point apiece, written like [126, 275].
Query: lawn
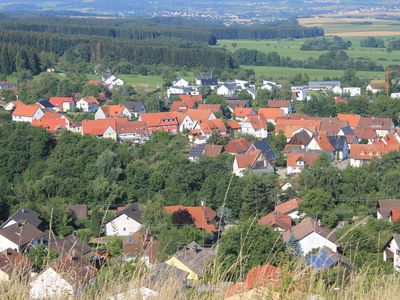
[282, 73]
[291, 48]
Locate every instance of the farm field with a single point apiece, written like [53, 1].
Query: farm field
[282, 73]
[291, 48]
[354, 26]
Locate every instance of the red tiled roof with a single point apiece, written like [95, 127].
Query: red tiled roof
[212, 150]
[97, 127]
[257, 121]
[279, 103]
[376, 123]
[191, 100]
[162, 118]
[51, 124]
[212, 107]
[234, 125]
[324, 143]
[309, 158]
[58, 101]
[25, 110]
[288, 206]
[364, 133]
[271, 113]
[113, 111]
[199, 115]
[178, 106]
[248, 159]
[352, 119]
[368, 151]
[276, 219]
[210, 126]
[242, 112]
[202, 215]
[91, 100]
[237, 146]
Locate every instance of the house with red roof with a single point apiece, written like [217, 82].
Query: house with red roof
[237, 146]
[351, 119]
[279, 221]
[271, 114]
[255, 125]
[214, 108]
[335, 146]
[27, 113]
[63, 104]
[254, 161]
[88, 104]
[178, 106]
[113, 111]
[233, 126]
[208, 127]
[12, 105]
[53, 122]
[285, 105]
[290, 208]
[298, 160]
[362, 154]
[204, 217]
[240, 113]
[163, 121]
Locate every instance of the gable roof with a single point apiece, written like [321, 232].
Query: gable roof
[202, 215]
[21, 234]
[45, 103]
[190, 100]
[69, 245]
[237, 146]
[279, 103]
[134, 106]
[347, 130]
[234, 125]
[376, 123]
[324, 143]
[75, 271]
[162, 118]
[132, 211]
[369, 151]
[214, 108]
[212, 150]
[248, 160]
[58, 101]
[338, 142]
[276, 219]
[266, 149]
[199, 115]
[178, 106]
[210, 126]
[306, 227]
[271, 113]
[324, 259]
[113, 110]
[51, 124]
[242, 112]
[300, 138]
[238, 103]
[195, 257]
[352, 119]
[91, 100]
[25, 215]
[385, 206]
[11, 262]
[257, 121]
[309, 157]
[288, 206]
[197, 151]
[25, 110]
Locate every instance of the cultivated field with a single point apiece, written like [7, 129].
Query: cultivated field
[350, 27]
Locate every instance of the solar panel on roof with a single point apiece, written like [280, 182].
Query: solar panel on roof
[321, 260]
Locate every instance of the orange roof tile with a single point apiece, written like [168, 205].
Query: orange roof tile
[202, 215]
[237, 146]
[352, 119]
[25, 110]
[271, 113]
[162, 118]
[288, 206]
[234, 125]
[210, 126]
[242, 112]
[257, 121]
[50, 124]
[58, 101]
[279, 103]
[97, 127]
[191, 100]
[113, 111]
[368, 151]
[276, 219]
[248, 159]
[178, 106]
[395, 215]
[212, 107]
[324, 143]
[199, 115]
[91, 100]
[212, 150]
[309, 158]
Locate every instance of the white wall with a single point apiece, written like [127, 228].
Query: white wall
[6, 243]
[122, 226]
[99, 114]
[314, 241]
[50, 285]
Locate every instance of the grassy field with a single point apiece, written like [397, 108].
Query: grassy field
[282, 73]
[354, 26]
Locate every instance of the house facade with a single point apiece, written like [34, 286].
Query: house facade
[125, 223]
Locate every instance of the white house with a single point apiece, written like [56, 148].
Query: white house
[255, 125]
[88, 104]
[270, 85]
[375, 87]
[180, 82]
[299, 93]
[254, 161]
[391, 251]
[352, 91]
[111, 80]
[310, 235]
[227, 89]
[187, 124]
[325, 86]
[241, 83]
[112, 111]
[20, 237]
[65, 278]
[290, 208]
[124, 223]
[27, 113]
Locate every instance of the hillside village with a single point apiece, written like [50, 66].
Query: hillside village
[272, 139]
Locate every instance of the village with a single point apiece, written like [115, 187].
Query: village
[344, 140]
